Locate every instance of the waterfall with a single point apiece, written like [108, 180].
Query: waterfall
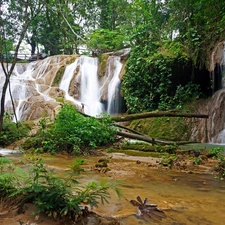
[90, 88]
[66, 79]
[19, 89]
[114, 86]
[35, 92]
[28, 84]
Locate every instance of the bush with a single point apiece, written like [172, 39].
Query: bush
[157, 76]
[73, 133]
[12, 132]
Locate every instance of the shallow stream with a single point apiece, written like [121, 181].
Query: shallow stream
[185, 197]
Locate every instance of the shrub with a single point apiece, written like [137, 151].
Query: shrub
[12, 132]
[74, 133]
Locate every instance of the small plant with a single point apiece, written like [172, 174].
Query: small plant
[76, 165]
[12, 132]
[220, 169]
[169, 160]
[217, 153]
[43, 123]
[109, 150]
[197, 161]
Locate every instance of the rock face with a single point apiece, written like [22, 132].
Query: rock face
[213, 129]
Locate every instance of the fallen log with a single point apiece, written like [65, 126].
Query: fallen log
[130, 117]
[151, 140]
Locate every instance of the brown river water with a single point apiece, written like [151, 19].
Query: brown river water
[186, 197]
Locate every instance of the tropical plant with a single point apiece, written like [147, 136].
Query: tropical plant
[74, 133]
[217, 153]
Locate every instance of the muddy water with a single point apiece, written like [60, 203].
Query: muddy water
[186, 198]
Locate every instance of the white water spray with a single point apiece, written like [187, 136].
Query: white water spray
[65, 82]
[90, 90]
[114, 85]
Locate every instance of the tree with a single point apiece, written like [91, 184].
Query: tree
[201, 24]
[15, 20]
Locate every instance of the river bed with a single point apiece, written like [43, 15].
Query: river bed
[186, 197]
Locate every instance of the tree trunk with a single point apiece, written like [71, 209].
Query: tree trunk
[130, 117]
[2, 112]
[151, 140]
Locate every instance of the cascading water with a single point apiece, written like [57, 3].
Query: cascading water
[19, 89]
[34, 92]
[24, 85]
[90, 90]
[114, 86]
[65, 82]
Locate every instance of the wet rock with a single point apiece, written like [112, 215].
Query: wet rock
[101, 164]
[103, 160]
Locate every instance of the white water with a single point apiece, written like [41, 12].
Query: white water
[90, 89]
[19, 89]
[65, 82]
[32, 82]
[23, 86]
[114, 85]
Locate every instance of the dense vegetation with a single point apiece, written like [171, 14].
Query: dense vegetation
[72, 133]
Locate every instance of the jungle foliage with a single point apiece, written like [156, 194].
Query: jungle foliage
[72, 133]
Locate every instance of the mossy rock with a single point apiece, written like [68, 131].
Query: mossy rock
[29, 124]
[165, 128]
[58, 76]
[102, 64]
[32, 143]
[60, 99]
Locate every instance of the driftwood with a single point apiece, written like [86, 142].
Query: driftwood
[151, 140]
[130, 117]
[138, 136]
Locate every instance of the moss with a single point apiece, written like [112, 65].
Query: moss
[58, 76]
[138, 146]
[60, 99]
[102, 64]
[29, 124]
[32, 143]
[165, 128]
